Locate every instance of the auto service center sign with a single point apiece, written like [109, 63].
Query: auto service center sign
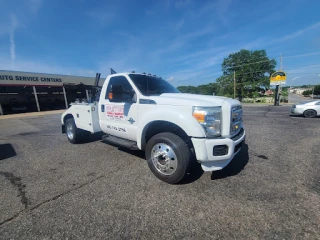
[32, 79]
[12, 78]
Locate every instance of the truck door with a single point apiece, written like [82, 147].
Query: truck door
[119, 118]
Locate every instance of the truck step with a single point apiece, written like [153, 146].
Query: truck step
[120, 141]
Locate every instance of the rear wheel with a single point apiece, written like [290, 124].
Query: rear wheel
[168, 157]
[310, 113]
[74, 134]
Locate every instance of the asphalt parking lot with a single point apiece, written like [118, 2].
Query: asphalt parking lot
[51, 189]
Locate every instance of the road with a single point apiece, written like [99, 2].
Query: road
[51, 189]
[294, 98]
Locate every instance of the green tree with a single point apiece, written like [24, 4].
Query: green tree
[208, 89]
[252, 70]
[225, 84]
[205, 89]
[188, 89]
[285, 92]
[316, 90]
[307, 93]
[255, 94]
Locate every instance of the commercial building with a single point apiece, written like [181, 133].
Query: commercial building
[28, 92]
[299, 91]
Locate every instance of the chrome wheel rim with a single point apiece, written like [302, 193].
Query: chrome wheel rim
[69, 131]
[164, 159]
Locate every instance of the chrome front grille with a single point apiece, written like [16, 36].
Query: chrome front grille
[236, 120]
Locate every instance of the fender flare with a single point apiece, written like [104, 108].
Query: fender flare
[187, 123]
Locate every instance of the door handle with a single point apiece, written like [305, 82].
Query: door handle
[102, 108]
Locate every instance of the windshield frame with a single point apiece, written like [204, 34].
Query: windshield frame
[134, 82]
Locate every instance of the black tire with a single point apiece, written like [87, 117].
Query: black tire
[178, 147]
[77, 134]
[309, 113]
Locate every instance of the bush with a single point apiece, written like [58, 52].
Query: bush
[307, 93]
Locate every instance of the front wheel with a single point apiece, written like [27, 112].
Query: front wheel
[168, 157]
[310, 113]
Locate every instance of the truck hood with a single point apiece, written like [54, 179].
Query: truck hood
[186, 99]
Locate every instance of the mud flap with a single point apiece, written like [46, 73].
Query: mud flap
[63, 129]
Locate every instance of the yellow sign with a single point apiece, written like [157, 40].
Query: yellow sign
[278, 78]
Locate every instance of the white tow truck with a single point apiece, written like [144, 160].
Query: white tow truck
[145, 112]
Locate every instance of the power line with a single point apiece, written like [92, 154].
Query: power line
[250, 63]
[290, 71]
[292, 56]
[301, 50]
[297, 66]
[305, 73]
[303, 55]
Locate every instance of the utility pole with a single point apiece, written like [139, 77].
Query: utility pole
[234, 84]
[277, 96]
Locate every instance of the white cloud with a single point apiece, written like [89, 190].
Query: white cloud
[149, 12]
[103, 18]
[219, 8]
[179, 25]
[14, 25]
[303, 55]
[34, 6]
[297, 33]
[41, 67]
[182, 3]
[308, 74]
[170, 79]
[12, 46]
[10, 23]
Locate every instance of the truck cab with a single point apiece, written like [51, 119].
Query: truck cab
[145, 112]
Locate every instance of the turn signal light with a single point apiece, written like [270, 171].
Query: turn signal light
[200, 116]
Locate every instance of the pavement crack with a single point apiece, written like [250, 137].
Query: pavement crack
[74, 189]
[66, 192]
[16, 182]
[11, 218]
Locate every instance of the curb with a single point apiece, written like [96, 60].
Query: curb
[31, 114]
[264, 104]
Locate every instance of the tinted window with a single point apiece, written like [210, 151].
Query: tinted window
[149, 85]
[120, 80]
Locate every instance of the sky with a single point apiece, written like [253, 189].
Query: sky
[183, 41]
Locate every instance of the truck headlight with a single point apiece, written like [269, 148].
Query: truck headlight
[210, 119]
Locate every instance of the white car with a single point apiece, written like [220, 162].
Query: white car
[308, 109]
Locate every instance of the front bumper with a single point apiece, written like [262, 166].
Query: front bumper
[296, 111]
[204, 151]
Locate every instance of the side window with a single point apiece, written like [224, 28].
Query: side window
[120, 80]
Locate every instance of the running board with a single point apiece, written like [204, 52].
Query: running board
[120, 141]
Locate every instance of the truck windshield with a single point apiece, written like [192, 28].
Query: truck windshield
[149, 85]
